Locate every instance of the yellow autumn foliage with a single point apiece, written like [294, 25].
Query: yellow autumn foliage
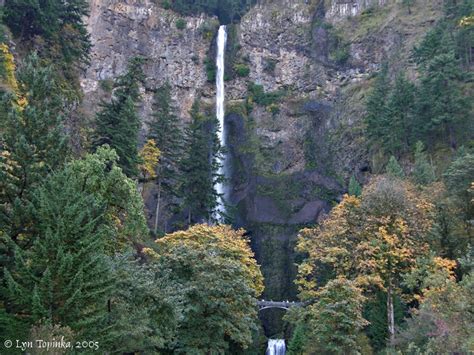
[373, 239]
[9, 68]
[219, 241]
[467, 21]
[150, 156]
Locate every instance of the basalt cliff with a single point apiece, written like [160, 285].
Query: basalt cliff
[297, 72]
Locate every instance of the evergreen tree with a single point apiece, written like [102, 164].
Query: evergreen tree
[459, 178]
[376, 117]
[408, 4]
[296, 345]
[166, 132]
[59, 23]
[354, 187]
[394, 169]
[423, 171]
[63, 278]
[117, 124]
[442, 107]
[200, 167]
[400, 112]
[32, 141]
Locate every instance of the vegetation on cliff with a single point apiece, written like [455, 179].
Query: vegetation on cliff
[116, 241]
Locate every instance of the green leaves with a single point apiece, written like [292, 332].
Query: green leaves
[217, 281]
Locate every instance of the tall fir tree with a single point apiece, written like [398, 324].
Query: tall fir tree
[63, 278]
[442, 106]
[168, 136]
[32, 141]
[376, 117]
[400, 113]
[200, 167]
[118, 123]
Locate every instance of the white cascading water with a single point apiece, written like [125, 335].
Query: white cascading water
[220, 113]
[276, 347]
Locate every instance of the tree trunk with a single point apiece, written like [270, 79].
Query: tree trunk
[390, 315]
[157, 210]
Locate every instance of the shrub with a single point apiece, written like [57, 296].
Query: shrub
[165, 4]
[261, 97]
[107, 85]
[242, 70]
[270, 65]
[273, 108]
[210, 70]
[180, 24]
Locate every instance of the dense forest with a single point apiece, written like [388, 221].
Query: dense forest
[85, 259]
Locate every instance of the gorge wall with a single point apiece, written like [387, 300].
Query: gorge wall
[295, 144]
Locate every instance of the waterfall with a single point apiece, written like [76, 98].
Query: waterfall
[276, 347]
[220, 113]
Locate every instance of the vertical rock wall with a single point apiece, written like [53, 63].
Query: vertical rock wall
[123, 29]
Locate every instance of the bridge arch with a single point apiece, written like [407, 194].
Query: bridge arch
[262, 305]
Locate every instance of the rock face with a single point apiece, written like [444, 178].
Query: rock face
[292, 156]
[339, 9]
[123, 29]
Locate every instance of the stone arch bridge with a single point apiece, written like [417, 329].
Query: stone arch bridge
[263, 304]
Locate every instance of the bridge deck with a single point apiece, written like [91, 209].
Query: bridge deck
[263, 304]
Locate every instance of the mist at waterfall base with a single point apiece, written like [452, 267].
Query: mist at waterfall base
[220, 114]
[276, 347]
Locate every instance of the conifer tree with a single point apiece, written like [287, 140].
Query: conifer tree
[166, 132]
[442, 106]
[423, 171]
[200, 167]
[63, 278]
[394, 169]
[376, 117]
[59, 23]
[32, 141]
[118, 123]
[400, 112]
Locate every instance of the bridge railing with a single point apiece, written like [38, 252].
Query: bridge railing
[264, 304]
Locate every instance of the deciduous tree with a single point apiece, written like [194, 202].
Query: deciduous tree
[217, 281]
[373, 240]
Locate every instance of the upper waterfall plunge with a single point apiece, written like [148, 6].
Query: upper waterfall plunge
[276, 347]
[220, 114]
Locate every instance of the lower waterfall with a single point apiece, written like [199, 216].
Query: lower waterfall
[276, 347]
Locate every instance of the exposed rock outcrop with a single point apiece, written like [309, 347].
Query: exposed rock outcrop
[123, 29]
